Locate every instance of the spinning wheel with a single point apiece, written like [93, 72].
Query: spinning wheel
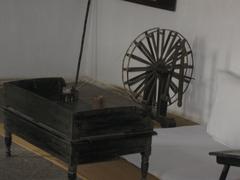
[157, 69]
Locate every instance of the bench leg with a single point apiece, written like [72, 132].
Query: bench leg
[8, 142]
[72, 172]
[224, 172]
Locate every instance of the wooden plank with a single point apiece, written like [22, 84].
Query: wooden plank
[109, 122]
[38, 136]
[33, 106]
[95, 151]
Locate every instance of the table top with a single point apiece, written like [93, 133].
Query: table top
[91, 97]
[88, 99]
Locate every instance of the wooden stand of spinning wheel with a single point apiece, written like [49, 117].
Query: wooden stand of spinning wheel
[161, 110]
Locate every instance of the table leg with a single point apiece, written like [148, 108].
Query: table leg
[8, 142]
[224, 172]
[145, 164]
[72, 172]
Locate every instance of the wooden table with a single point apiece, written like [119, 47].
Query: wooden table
[227, 158]
[84, 131]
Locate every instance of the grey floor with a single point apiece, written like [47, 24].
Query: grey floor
[24, 165]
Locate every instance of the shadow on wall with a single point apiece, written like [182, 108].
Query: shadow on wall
[199, 97]
[212, 85]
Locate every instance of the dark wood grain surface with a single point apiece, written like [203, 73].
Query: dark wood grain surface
[99, 126]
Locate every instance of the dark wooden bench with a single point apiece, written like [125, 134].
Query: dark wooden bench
[82, 131]
[227, 158]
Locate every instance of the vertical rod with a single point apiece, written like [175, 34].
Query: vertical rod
[82, 43]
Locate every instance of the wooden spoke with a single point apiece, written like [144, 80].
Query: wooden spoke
[158, 44]
[137, 69]
[173, 40]
[182, 55]
[162, 43]
[139, 87]
[150, 46]
[184, 66]
[156, 49]
[145, 84]
[145, 51]
[173, 87]
[166, 43]
[173, 59]
[185, 54]
[171, 46]
[139, 59]
[176, 56]
[185, 78]
[174, 48]
[136, 79]
[181, 50]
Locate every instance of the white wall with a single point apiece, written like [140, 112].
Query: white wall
[41, 38]
[211, 27]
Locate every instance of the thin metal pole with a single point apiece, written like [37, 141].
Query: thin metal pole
[82, 43]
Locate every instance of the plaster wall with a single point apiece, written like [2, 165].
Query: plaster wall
[210, 26]
[42, 38]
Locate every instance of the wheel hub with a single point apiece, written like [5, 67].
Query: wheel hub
[160, 68]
